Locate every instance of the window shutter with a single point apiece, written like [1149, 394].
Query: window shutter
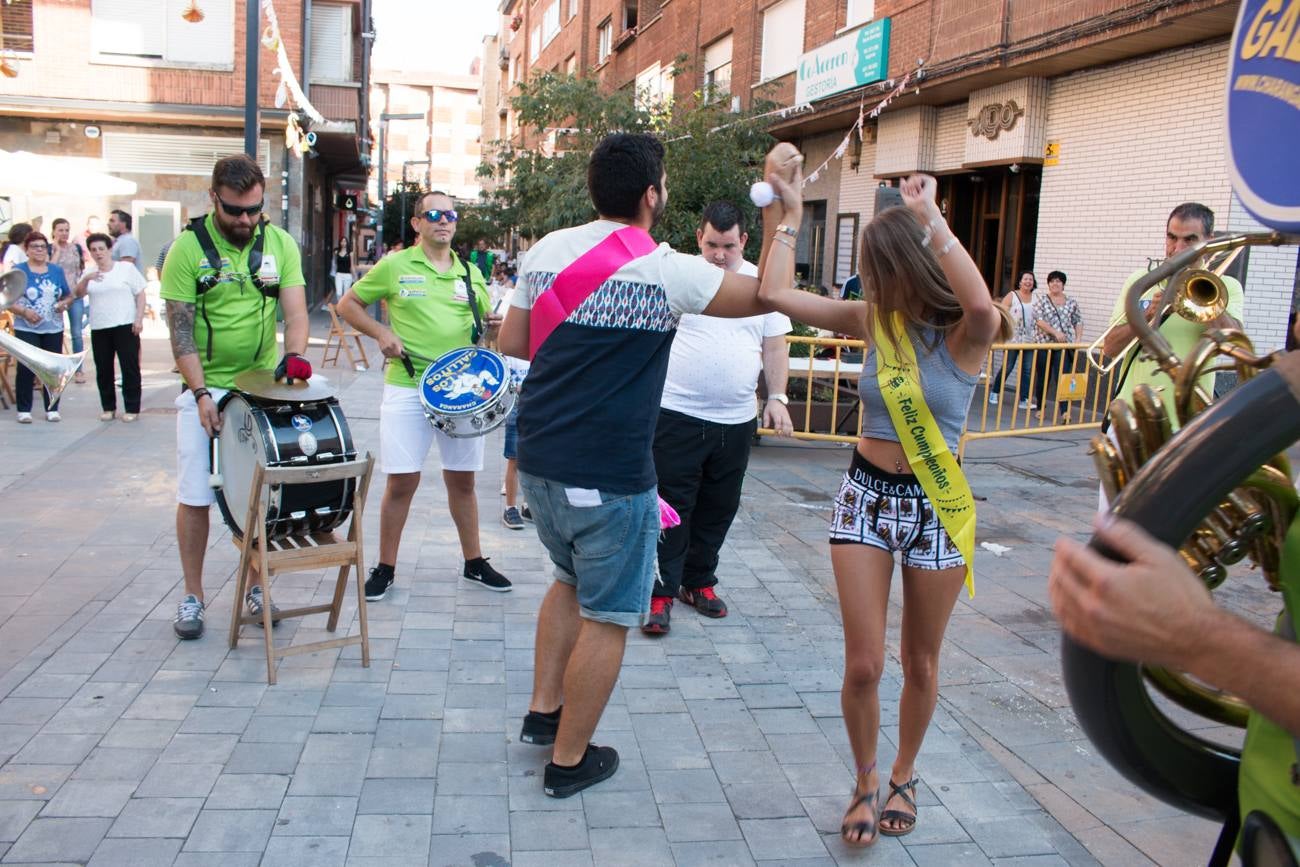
[331, 42]
[718, 54]
[18, 26]
[210, 42]
[859, 12]
[131, 28]
[143, 153]
[782, 38]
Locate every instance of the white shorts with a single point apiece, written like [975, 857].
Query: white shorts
[193, 452]
[405, 436]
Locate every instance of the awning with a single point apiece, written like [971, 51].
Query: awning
[338, 150]
[23, 173]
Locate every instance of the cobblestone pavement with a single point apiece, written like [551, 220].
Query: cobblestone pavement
[121, 745]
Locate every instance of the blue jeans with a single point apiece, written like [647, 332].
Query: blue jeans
[510, 450]
[605, 550]
[77, 324]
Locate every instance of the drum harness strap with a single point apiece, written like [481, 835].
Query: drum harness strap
[208, 282]
[476, 333]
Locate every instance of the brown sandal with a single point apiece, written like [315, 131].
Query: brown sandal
[861, 829]
[906, 821]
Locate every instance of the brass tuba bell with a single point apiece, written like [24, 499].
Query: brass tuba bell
[53, 369]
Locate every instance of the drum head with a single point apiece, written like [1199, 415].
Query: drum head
[261, 384]
[236, 452]
[463, 382]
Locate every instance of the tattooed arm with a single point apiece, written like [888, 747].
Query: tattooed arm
[180, 319]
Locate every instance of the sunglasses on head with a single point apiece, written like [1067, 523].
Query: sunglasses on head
[237, 210]
[435, 215]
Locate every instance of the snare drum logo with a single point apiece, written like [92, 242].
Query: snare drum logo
[462, 380]
[245, 432]
[1263, 113]
[301, 423]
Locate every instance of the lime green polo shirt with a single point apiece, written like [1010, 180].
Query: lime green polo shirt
[428, 308]
[241, 318]
[1182, 336]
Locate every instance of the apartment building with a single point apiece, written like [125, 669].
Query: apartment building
[152, 91]
[1062, 133]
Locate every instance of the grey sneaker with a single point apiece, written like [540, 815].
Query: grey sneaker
[189, 618]
[512, 519]
[253, 600]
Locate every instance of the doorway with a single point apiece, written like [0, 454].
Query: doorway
[156, 225]
[810, 246]
[994, 213]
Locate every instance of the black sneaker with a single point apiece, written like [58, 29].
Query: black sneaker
[381, 578]
[598, 763]
[526, 513]
[189, 618]
[478, 571]
[540, 728]
[661, 612]
[705, 601]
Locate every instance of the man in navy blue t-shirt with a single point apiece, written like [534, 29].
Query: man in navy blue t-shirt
[586, 427]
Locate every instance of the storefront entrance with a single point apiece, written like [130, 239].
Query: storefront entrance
[994, 212]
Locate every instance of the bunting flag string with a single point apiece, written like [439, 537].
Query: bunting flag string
[289, 91]
[863, 116]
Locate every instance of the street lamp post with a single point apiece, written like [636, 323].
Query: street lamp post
[384, 118]
[252, 45]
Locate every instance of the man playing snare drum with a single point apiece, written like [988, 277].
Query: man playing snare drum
[429, 290]
[221, 281]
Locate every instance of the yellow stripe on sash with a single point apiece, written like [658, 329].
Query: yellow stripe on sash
[927, 454]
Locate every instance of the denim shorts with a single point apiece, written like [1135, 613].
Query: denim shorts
[604, 546]
[509, 452]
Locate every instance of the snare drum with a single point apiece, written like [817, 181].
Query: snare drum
[278, 433]
[468, 392]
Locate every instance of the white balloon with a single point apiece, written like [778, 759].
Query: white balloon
[762, 194]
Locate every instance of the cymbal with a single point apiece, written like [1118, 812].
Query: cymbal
[262, 384]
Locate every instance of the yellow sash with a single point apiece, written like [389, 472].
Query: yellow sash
[934, 465]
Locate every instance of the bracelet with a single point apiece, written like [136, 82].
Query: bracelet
[200, 393]
[784, 239]
[783, 229]
[779, 398]
[930, 227]
[947, 248]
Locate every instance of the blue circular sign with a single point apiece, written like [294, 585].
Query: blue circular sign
[1263, 111]
[463, 380]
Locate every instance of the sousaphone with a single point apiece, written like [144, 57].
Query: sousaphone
[1220, 491]
[53, 369]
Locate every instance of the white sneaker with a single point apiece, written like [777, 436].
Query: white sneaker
[993, 399]
[24, 418]
[53, 416]
[106, 415]
[1028, 404]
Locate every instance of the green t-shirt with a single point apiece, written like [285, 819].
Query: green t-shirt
[428, 308]
[1182, 336]
[241, 318]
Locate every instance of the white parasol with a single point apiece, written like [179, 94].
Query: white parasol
[23, 173]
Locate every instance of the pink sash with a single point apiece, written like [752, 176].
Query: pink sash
[584, 276]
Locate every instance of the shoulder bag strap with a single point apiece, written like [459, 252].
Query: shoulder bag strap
[477, 333]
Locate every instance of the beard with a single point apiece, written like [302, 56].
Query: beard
[235, 233]
[661, 205]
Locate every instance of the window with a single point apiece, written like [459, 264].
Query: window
[331, 42]
[629, 14]
[550, 22]
[782, 38]
[17, 34]
[573, 8]
[604, 40]
[139, 30]
[650, 87]
[717, 69]
[535, 43]
[859, 12]
[146, 153]
[571, 65]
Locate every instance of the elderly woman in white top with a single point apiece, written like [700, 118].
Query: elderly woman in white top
[116, 291]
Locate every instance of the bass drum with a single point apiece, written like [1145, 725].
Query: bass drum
[278, 434]
[1169, 496]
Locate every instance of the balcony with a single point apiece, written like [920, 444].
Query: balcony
[336, 102]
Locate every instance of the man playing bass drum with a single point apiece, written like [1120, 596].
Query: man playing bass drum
[222, 280]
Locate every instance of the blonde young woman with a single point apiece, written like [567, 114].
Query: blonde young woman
[919, 286]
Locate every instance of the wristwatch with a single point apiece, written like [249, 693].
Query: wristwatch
[781, 398]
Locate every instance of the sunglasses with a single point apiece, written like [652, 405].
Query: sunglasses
[237, 211]
[435, 215]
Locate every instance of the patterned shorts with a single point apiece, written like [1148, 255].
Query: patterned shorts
[891, 512]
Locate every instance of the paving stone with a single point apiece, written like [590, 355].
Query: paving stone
[247, 792]
[470, 814]
[686, 787]
[231, 831]
[412, 796]
[328, 779]
[316, 817]
[629, 846]
[142, 734]
[774, 800]
[783, 838]
[567, 858]
[136, 853]
[86, 799]
[480, 850]
[698, 823]
[278, 729]
[58, 840]
[179, 781]
[459, 778]
[14, 817]
[733, 853]
[346, 720]
[943, 854]
[157, 817]
[316, 851]
[547, 830]
[260, 758]
[607, 808]
[56, 749]
[404, 837]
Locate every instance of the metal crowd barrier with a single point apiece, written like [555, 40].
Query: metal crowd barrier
[824, 405]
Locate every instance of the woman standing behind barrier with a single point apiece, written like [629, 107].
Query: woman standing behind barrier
[929, 321]
[117, 296]
[1059, 321]
[1019, 304]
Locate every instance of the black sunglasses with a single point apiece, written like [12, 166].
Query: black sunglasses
[435, 215]
[237, 211]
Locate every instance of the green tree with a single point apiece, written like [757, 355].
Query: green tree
[710, 153]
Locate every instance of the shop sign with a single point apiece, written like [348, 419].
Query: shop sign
[1263, 111]
[1052, 154]
[851, 61]
[995, 119]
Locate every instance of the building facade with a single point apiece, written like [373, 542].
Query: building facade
[154, 93]
[1062, 133]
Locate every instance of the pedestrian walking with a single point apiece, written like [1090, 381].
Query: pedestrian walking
[117, 299]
